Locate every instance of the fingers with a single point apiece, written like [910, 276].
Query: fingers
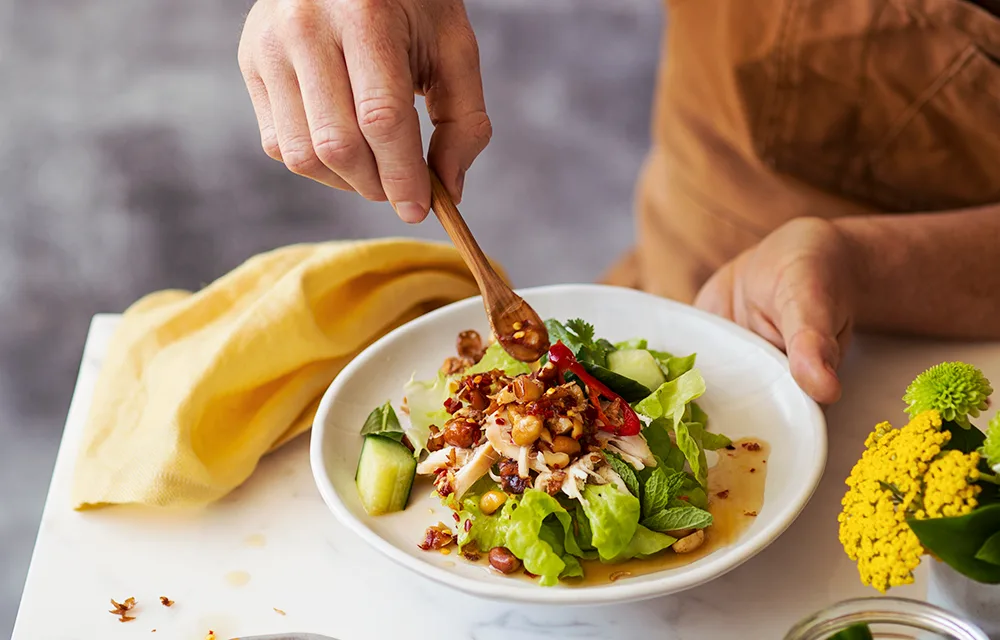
[716, 295]
[814, 345]
[379, 67]
[456, 107]
[328, 104]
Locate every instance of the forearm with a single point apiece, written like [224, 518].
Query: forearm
[927, 274]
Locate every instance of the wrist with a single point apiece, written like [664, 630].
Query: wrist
[862, 250]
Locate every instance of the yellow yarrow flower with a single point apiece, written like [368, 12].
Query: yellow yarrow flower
[902, 474]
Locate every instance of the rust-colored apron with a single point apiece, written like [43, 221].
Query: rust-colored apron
[769, 110]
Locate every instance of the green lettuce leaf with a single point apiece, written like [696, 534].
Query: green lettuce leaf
[697, 414]
[487, 531]
[709, 441]
[688, 442]
[671, 399]
[382, 421]
[657, 435]
[540, 552]
[496, 358]
[425, 400]
[613, 515]
[672, 366]
[674, 518]
[634, 343]
[644, 544]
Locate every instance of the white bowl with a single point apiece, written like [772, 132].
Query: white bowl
[750, 394]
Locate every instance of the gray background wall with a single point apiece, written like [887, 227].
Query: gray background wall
[130, 161]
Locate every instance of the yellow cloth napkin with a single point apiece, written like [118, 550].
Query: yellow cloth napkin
[197, 387]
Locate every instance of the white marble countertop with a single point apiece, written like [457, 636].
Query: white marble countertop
[272, 544]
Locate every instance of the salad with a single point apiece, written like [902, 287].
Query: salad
[596, 452]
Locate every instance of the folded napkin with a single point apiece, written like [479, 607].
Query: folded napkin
[197, 387]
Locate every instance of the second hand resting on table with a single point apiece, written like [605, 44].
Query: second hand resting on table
[332, 84]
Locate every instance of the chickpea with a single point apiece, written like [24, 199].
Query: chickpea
[689, 543]
[556, 460]
[503, 560]
[527, 389]
[565, 444]
[526, 430]
[491, 501]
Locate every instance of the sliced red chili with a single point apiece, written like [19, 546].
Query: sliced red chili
[561, 356]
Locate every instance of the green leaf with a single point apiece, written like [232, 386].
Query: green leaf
[634, 343]
[644, 544]
[957, 540]
[496, 358]
[382, 421]
[614, 516]
[694, 496]
[990, 551]
[526, 540]
[709, 441]
[425, 400]
[689, 444]
[697, 414]
[487, 531]
[964, 439]
[630, 390]
[672, 366]
[657, 435]
[624, 470]
[859, 631]
[660, 489]
[671, 399]
[675, 518]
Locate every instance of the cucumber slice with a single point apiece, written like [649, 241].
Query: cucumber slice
[385, 475]
[639, 365]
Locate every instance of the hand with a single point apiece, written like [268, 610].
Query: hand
[332, 84]
[796, 288]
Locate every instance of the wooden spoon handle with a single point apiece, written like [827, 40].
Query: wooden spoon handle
[451, 219]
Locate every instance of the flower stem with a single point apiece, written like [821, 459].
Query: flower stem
[990, 477]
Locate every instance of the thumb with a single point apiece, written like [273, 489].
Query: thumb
[457, 109]
[809, 328]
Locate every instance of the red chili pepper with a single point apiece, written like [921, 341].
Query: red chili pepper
[563, 358]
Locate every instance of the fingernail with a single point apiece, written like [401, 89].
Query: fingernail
[410, 212]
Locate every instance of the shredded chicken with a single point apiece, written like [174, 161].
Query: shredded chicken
[632, 449]
[477, 467]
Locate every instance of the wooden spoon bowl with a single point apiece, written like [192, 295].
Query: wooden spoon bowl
[519, 330]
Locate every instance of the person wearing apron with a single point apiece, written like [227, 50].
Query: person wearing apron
[816, 166]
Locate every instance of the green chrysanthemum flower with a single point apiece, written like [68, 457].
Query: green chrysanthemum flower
[991, 448]
[956, 390]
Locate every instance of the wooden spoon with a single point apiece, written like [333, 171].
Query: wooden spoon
[517, 327]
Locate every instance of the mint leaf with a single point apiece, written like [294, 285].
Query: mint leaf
[382, 421]
[660, 489]
[990, 551]
[624, 470]
[689, 444]
[676, 518]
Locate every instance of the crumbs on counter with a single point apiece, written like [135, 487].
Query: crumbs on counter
[278, 611]
[166, 602]
[121, 609]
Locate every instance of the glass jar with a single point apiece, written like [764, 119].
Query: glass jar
[887, 618]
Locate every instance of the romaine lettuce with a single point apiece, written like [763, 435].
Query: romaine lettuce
[613, 515]
[425, 401]
[496, 358]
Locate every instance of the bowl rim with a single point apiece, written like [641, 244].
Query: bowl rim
[732, 556]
